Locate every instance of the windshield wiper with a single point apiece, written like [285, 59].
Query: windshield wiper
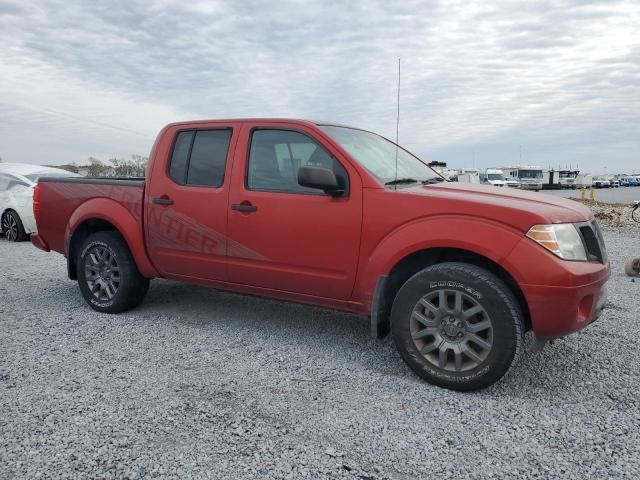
[431, 181]
[399, 181]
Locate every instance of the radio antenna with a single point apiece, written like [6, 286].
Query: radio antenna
[397, 124]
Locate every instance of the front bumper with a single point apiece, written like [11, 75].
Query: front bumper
[602, 303]
[562, 296]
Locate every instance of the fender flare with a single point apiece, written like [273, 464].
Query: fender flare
[483, 237]
[123, 220]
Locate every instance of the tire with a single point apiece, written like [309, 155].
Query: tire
[107, 274]
[12, 227]
[480, 343]
[632, 267]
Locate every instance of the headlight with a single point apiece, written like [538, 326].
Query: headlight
[561, 239]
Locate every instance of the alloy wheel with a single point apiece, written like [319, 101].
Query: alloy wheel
[10, 227]
[102, 273]
[452, 330]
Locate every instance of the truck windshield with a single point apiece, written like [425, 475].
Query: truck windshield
[530, 173]
[378, 155]
[495, 176]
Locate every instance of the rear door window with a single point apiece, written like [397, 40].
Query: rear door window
[199, 157]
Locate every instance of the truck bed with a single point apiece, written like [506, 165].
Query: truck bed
[62, 199]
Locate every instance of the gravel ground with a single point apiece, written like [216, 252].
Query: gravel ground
[198, 383]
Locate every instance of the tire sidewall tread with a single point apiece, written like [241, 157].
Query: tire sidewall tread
[22, 234]
[499, 302]
[133, 286]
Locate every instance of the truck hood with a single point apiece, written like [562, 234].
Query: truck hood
[520, 209]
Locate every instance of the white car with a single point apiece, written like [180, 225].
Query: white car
[16, 197]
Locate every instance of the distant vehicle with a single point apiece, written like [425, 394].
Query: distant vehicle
[567, 178]
[600, 182]
[529, 177]
[614, 183]
[512, 182]
[495, 177]
[16, 197]
[633, 181]
[325, 215]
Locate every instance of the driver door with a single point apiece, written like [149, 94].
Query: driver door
[283, 236]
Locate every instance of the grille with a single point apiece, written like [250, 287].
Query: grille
[593, 241]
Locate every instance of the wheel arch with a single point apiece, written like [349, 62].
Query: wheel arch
[104, 214]
[387, 289]
[429, 241]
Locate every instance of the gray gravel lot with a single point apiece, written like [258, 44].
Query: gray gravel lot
[199, 383]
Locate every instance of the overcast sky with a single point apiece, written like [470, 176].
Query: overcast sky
[480, 79]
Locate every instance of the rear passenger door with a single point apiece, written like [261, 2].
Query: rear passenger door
[187, 201]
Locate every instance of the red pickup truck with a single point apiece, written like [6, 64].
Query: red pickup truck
[342, 218]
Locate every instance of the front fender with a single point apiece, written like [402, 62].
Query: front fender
[483, 237]
[123, 220]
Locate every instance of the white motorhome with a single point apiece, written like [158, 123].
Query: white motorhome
[529, 177]
[495, 177]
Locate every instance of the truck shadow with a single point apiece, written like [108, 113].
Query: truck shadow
[256, 320]
[561, 368]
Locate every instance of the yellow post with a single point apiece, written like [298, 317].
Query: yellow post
[582, 193]
[592, 194]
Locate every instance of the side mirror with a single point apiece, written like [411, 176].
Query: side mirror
[320, 178]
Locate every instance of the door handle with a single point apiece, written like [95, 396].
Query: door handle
[162, 201]
[244, 207]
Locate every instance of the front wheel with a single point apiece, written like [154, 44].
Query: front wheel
[457, 326]
[107, 274]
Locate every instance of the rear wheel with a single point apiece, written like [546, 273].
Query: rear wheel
[107, 274]
[12, 227]
[457, 326]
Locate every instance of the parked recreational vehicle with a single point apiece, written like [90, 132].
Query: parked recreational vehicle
[529, 177]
